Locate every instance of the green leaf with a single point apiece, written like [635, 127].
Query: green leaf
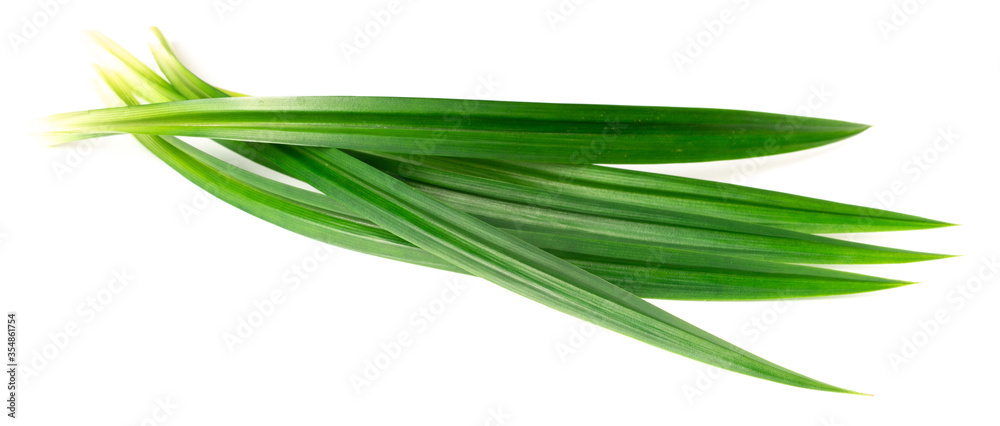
[480, 249]
[524, 269]
[640, 195]
[600, 233]
[544, 132]
[603, 235]
[578, 188]
[667, 274]
[527, 208]
[638, 257]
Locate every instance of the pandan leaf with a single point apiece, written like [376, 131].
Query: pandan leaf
[526, 131]
[485, 251]
[640, 195]
[595, 235]
[579, 188]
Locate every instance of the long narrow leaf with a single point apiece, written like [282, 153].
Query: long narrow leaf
[582, 188]
[636, 241]
[674, 274]
[652, 272]
[639, 240]
[558, 133]
[522, 268]
[599, 235]
[640, 195]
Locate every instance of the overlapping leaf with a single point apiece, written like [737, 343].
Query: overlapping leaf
[557, 133]
[638, 195]
[589, 189]
[599, 234]
[667, 274]
[477, 247]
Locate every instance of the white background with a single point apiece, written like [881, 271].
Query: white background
[72, 215]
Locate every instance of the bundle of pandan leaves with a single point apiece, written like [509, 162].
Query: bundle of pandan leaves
[509, 191]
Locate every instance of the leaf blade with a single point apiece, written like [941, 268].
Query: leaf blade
[558, 133]
[520, 267]
[642, 195]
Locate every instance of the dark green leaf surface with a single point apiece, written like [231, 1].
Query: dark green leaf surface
[640, 195]
[638, 240]
[598, 235]
[558, 133]
[585, 189]
[532, 209]
[480, 249]
[664, 273]
[487, 252]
